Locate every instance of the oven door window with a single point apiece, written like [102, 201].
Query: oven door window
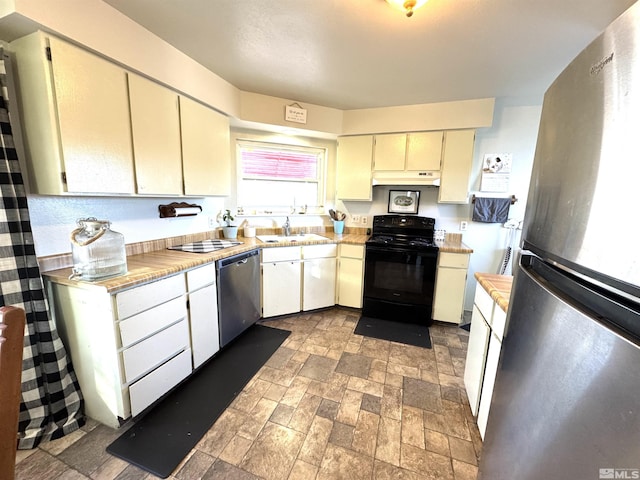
[405, 277]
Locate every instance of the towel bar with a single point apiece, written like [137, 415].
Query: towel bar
[513, 199]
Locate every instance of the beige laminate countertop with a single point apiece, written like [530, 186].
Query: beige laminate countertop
[498, 286]
[147, 267]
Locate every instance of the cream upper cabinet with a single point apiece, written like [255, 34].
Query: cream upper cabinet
[390, 152]
[91, 127]
[457, 160]
[398, 152]
[155, 123]
[75, 109]
[424, 151]
[353, 172]
[206, 159]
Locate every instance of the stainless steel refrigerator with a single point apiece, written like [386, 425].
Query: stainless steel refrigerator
[566, 404]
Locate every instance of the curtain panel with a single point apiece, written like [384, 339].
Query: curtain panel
[51, 399]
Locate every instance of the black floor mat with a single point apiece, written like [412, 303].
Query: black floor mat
[407, 333]
[161, 438]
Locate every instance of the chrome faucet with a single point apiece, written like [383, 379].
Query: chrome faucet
[287, 228]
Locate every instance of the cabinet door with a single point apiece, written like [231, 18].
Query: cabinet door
[319, 283]
[353, 170]
[93, 118]
[424, 150]
[488, 382]
[203, 315]
[390, 151]
[205, 149]
[476, 358]
[449, 294]
[281, 282]
[155, 124]
[350, 282]
[456, 166]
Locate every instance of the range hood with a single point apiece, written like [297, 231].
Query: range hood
[424, 178]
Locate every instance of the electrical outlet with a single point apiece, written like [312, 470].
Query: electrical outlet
[356, 218]
[364, 220]
[463, 226]
[212, 222]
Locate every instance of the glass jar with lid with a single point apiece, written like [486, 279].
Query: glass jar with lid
[98, 252]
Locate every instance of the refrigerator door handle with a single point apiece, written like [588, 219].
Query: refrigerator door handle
[616, 312]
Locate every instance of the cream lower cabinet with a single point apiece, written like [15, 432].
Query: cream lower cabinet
[298, 279]
[498, 322]
[281, 281]
[451, 279]
[203, 313]
[129, 348]
[479, 335]
[350, 275]
[318, 276]
[483, 355]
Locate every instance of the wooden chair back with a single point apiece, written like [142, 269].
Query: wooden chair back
[12, 321]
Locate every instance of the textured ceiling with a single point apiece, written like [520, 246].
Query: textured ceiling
[353, 54]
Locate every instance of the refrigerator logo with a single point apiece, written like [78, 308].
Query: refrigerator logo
[597, 68]
[606, 473]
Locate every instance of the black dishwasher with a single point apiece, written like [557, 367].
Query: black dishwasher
[238, 294]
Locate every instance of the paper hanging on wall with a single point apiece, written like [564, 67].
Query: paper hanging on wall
[496, 172]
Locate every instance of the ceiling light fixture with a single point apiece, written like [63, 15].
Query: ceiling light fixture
[407, 6]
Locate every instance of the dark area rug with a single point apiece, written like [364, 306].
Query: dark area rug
[161, 438]
[407, 333]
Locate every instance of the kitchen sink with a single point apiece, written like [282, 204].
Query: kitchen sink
[302, 237]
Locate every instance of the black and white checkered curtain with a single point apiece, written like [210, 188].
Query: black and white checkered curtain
[51, 399]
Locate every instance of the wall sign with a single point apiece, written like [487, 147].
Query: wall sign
[295, 113]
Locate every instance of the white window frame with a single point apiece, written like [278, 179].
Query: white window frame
[283, 209]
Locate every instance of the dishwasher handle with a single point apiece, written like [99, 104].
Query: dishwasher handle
[238, 259]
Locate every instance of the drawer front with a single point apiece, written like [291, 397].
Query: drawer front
[484, 302]
[151, 387]
[145, 355]
[201, 276]
[135, 328]
[142, 298]
[319, 251]
[453, 260]
[280, 254]
[352, 251]
[499, 321]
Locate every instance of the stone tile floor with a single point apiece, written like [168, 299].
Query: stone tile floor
[327, 405]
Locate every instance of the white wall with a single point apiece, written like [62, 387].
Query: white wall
[54, 218]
